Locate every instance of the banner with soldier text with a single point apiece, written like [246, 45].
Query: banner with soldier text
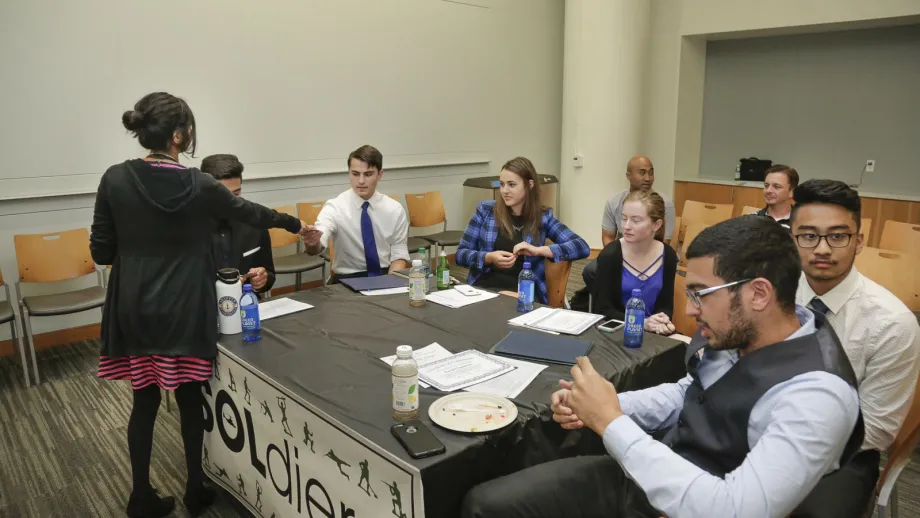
[280, 456]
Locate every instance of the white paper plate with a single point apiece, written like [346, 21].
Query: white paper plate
[472, 412]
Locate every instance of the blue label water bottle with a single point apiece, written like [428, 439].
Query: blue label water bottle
[634, 330]
[249, 314]
[525, 288]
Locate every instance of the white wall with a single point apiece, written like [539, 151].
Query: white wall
[680, 28]
[477, 86]
[290, 86]
[823, 102]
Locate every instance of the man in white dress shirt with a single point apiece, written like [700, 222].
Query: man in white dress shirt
[369, 229]
[878, 332]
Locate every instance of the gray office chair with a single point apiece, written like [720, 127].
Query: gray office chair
[8, 316]
[417, 243]
[427, 209]
[55, 257]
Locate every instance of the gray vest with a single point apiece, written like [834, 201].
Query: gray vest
[712, 429]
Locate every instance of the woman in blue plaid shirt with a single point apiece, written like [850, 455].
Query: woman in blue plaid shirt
[500, 235]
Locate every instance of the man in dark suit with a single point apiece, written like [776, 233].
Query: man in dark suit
[236, 245]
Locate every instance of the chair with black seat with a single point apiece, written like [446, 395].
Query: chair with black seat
[426, 210]
[298, 262]
[8, 316]
[55, 257]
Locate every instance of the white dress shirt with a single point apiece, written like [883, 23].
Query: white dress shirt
[797, 431]
[340, 220]
[882, 339]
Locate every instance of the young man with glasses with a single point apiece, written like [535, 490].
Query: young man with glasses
[878, 332]
[767, 410]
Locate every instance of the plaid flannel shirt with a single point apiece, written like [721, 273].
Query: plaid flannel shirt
[479, 239]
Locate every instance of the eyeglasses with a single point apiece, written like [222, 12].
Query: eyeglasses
[834, 240]
[695, 295]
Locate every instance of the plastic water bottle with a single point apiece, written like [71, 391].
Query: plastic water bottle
[417, 284]
[426, 266]
[443, 272]
[634, 331]
[405, 384]
[249, 315]
[525, 289]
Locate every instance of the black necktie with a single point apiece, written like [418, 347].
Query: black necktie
[819, 306]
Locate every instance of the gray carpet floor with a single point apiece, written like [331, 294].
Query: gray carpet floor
[63, 446]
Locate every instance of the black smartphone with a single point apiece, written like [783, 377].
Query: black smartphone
[417, 439]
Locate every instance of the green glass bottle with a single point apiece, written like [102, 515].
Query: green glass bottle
[443, 272]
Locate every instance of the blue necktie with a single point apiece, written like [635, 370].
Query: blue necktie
[370, 244]
[819, 306]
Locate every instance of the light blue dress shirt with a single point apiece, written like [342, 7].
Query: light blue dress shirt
[797, 432]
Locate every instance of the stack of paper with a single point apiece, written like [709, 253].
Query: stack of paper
[507, 377]
[278, 307]
[454, 299]
[557, 320]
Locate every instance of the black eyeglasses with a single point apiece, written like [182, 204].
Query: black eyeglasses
[834, 239]
[694, 296]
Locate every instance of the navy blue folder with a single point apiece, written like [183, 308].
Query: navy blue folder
[381, 282]
[542, 347]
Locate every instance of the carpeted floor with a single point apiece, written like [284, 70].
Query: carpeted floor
[63, 450]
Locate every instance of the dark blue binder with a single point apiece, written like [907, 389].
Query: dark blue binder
[380, 282]
[542, 347]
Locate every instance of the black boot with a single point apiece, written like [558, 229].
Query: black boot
[148, 504]
[197, 500]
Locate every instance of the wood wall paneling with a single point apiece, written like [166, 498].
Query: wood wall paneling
[879, 210]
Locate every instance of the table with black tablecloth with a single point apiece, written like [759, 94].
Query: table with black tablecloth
[329, 357]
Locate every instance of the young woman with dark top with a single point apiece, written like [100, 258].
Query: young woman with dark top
[640, 259]
[502, 235]
[152, 222]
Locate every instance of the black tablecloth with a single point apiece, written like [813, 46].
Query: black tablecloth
[330, 354]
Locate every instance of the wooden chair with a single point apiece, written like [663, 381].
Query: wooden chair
[426, 210]
[707, 213]
[296, 263]
[895, 271]
[414, 243]
[8, 316]
[557, 279]
[54, 257]
[692, 231]
[903, 237]
[685, 325]
[675, 236]
[865, 228]
[899, 455]
[747, 209]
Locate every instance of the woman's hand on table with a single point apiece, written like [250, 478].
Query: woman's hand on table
[659, 324]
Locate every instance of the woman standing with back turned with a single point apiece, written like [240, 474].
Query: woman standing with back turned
[152, 222]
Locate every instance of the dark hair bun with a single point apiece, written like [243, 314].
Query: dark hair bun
[132, 120]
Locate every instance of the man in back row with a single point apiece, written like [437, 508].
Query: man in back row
[879, 333]
[640, 173]
[767, 410]
[370, 230]
[778, 187]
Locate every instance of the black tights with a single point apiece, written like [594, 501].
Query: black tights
[189, 399]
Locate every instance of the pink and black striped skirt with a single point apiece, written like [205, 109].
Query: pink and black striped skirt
[167, 372]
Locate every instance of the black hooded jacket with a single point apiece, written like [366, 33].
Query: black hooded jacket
[153, 225]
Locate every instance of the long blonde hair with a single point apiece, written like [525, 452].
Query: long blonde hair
[532, 210]
[654, 207]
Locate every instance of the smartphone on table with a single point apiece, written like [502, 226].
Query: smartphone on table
[611, 326]
[417, 439]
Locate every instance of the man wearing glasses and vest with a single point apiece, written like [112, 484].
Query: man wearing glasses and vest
[768, 409]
